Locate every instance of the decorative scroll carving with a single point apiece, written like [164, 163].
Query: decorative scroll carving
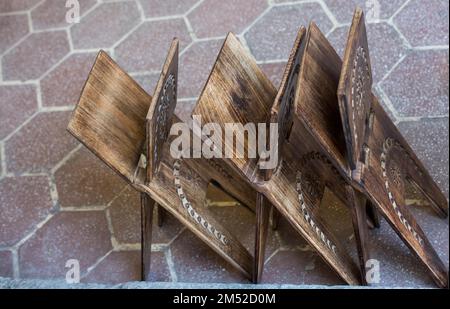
[188, 206]
[361, 88]
[393, 177]
[307, 216]
[311, 186]
[168, 96]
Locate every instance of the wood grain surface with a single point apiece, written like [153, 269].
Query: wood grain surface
[383, 160]
[233, 94]
[110, 120]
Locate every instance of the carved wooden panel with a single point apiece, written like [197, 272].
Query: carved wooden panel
[110, 120]
[230, 96]
[182, 192]
[388, 162]
[159, 117]
[283, 108]
[355, 89]
[286, 192]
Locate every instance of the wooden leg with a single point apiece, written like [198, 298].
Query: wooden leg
[274, 218]
[359, 218]
[373, 217]
[160, 214]
[146, 234]
[262, 225]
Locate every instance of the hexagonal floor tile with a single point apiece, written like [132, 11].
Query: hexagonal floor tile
[146, 48]
[105, 25]
[18, 104]
[159, 269]
[84, 180]
[419, 85]
[117, 267]
[147, 81]
[125, 266]
[195, 65]
[52, 13]
[287, 267]
[343, 10]
[317, 271]
[429, 138]
[215, 18]
[63, 85]
[424, 22]
[157, 8]
[6, 264]
[184, 109]
[12, 29]
[35, 55]
[274, 71]
[398, 265]
[39, 144]
[195, 262]
[125, 214]
[385, 47]
[168, 231]
[272, 37]
[24, 203]
[7, 6]
[68, 235]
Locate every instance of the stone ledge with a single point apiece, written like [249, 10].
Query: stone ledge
[7, 283]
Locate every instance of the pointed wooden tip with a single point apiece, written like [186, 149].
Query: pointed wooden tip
[175, 43]
[358, 13]
[313, 27]
[231, 35]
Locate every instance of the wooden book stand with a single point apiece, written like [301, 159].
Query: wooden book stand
[381, 160]
[237, 91]
[334, 100]
[129, 130]
[333, 133]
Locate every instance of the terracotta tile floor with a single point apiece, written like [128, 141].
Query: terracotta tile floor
[59, 202]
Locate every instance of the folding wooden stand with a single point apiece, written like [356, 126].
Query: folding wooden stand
[362, 158]
[380, 158]
[128, 130]
[333, 134]
[237, 91]
[363, 144]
